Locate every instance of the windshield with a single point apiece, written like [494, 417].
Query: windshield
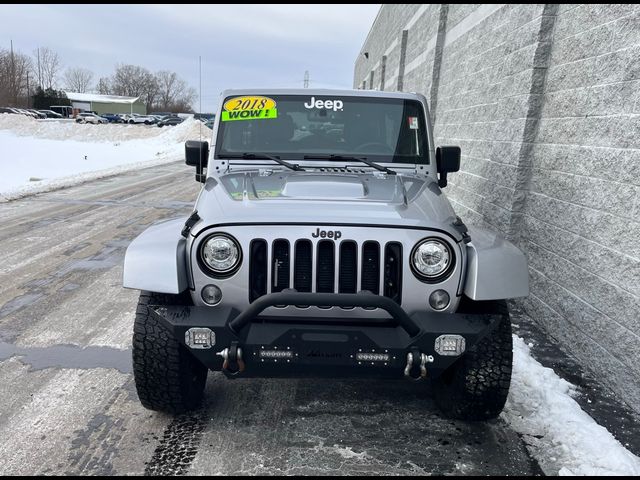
[294, 126]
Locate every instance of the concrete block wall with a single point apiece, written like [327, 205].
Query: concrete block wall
[545, 102]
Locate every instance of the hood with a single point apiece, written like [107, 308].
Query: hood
[333, 196]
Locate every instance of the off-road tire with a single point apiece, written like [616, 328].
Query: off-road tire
[477, 385]
[167, 377]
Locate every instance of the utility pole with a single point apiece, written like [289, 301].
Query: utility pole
[306, 79]
[39, 71]
[28, 92]
[12, 80]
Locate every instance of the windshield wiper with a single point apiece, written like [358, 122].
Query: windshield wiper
[349, 157]
[258, 156]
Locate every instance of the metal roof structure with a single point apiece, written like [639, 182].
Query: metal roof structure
[97, 98]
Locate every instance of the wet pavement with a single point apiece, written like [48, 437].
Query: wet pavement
[69, 404]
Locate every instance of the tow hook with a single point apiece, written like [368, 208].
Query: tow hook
[233, 363]
[416, 368]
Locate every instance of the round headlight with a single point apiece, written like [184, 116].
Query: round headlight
[431, 258]
[220, 253]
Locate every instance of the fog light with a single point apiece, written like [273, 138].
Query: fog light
[439, 300]
[211, 295]
[200, 338]
[450, 345]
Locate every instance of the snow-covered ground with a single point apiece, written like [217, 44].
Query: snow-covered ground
[561, 436]
[37, 156]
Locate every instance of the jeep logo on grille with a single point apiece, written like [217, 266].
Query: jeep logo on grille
[335, 234]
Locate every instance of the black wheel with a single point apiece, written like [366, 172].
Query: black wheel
[167, 377]
[477, 385]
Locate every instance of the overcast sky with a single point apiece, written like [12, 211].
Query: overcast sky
[240, 45]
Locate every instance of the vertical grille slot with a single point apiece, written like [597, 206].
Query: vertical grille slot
[325, 281]
[281, 266]
[370, 267]
[257, 269]
[348, 269]
[393, 271]
[303, 266]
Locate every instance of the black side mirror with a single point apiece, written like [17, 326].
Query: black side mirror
[447, 160]
[197, 155]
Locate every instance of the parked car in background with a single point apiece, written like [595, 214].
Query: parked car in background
[146, 119]
[65, 110]
[170, 121]
[90, 118]
[50, 113]
[26, 112]
[209, 123]
[8, 110]
[38, 113]
[112, 117]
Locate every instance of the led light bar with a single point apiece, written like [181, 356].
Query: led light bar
[372, 357]
[275, 354]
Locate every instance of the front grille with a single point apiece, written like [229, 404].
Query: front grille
[325, 267]
[281, 266]
[257, 269]
[371, 267]
[393, 271]
[348, 272]
[303, 266]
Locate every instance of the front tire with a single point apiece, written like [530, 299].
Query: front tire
[167, 377]
[477, 385]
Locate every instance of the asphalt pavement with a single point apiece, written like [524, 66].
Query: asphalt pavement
[68, 402]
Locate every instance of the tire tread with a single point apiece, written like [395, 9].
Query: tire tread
[167, 377]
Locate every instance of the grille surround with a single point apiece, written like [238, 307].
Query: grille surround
[414, 292]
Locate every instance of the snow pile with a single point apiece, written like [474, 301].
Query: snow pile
[561, 436]
[39, 156]
[67, 129]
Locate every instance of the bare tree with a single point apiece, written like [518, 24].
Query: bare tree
[49, 67]
[104, 86]
[78, 79]
[174, 93]
[167, 86]
[164, 91]
[135, 81]
[15, 68]
[184, 103]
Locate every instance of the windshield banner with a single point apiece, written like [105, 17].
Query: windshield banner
[249, 108]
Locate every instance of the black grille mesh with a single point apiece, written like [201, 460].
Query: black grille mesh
[326, 267]
[348, 273]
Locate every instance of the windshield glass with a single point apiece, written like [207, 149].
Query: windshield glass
[294, 126]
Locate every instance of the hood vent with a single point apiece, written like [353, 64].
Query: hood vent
[322, 186]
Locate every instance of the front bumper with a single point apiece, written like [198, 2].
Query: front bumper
[337, 347]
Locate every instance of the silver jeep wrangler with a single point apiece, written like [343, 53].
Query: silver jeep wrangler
[322, 244]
